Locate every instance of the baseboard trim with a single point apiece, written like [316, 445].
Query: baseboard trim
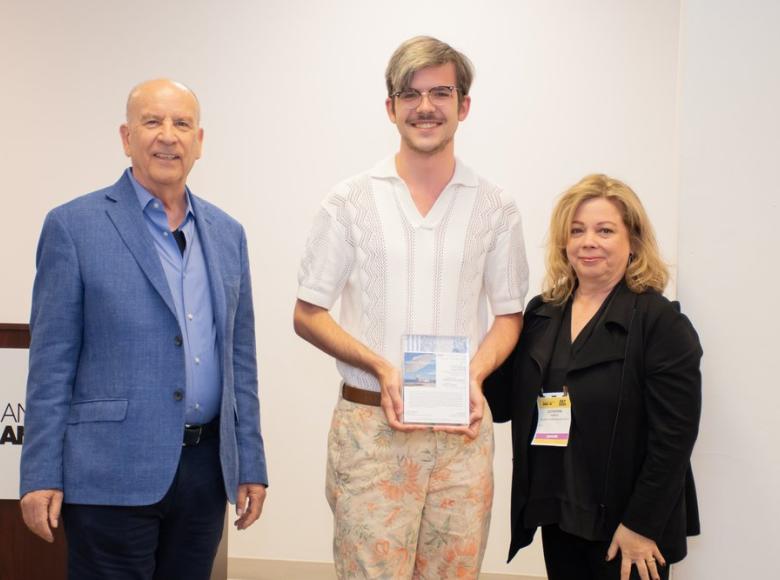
[260, 569]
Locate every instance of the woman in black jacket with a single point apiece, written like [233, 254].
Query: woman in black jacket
[604, 394]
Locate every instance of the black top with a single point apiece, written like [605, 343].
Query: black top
[547, 491]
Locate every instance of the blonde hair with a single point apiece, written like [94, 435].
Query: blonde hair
[422, 52]
[646, 270]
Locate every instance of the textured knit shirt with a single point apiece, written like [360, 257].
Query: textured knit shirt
[398, 272]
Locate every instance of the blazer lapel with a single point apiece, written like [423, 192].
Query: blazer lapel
[127, 216]
[210, 244]
[608, 341]
[542, 349]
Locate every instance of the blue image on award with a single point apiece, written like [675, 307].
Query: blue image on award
[419, 369]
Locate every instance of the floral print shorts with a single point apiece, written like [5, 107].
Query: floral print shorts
[407, 505]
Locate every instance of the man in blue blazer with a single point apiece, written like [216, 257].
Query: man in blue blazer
[142, 412]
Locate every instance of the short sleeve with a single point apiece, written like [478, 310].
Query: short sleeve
[328, 258]
[506, 266]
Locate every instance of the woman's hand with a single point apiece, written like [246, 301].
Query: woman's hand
[635, 549]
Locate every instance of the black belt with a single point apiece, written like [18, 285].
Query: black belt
[195, 434]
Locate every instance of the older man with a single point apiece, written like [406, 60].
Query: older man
[417, 245]
[142, 405]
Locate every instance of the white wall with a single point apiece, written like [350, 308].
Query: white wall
[292, 94]
[729, 216]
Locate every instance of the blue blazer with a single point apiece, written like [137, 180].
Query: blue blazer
[105, 415]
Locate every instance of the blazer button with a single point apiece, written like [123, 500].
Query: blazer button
[177, 340]
[178, 395]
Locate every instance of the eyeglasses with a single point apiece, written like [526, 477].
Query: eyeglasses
[438, 96]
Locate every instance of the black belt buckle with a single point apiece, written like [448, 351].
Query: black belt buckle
[192, 435]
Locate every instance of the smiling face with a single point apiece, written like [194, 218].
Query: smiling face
[599, 244]
[427, 129]
[162, 136]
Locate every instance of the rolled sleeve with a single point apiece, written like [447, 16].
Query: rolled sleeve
[506, 267]
[328, 258]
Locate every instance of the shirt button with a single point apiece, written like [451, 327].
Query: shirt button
[197, 360]
[165, 234]
[189, 316]
[177, 340]
[197, 405]
[178, 395]
[156, 205]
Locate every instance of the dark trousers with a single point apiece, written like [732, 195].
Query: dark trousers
[569, 557]
[174, 538]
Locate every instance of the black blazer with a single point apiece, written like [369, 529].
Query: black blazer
[636, 400]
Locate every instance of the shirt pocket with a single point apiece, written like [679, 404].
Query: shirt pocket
[98, 410]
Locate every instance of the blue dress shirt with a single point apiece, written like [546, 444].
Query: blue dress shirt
[188, 280]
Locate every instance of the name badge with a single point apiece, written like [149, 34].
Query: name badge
[554, 419]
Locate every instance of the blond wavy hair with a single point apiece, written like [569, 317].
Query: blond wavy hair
[646, 270]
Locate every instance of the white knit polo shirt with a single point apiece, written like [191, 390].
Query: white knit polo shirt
[398, 272]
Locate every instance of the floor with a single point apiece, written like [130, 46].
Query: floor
[253, 569]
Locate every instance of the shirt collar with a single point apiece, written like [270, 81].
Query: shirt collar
[463, 174]
[145, 197]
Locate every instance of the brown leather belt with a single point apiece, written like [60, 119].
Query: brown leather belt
[361, 396]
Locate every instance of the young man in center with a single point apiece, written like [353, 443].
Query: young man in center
[419, 244]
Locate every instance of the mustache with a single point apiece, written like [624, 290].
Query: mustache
[425, 117]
